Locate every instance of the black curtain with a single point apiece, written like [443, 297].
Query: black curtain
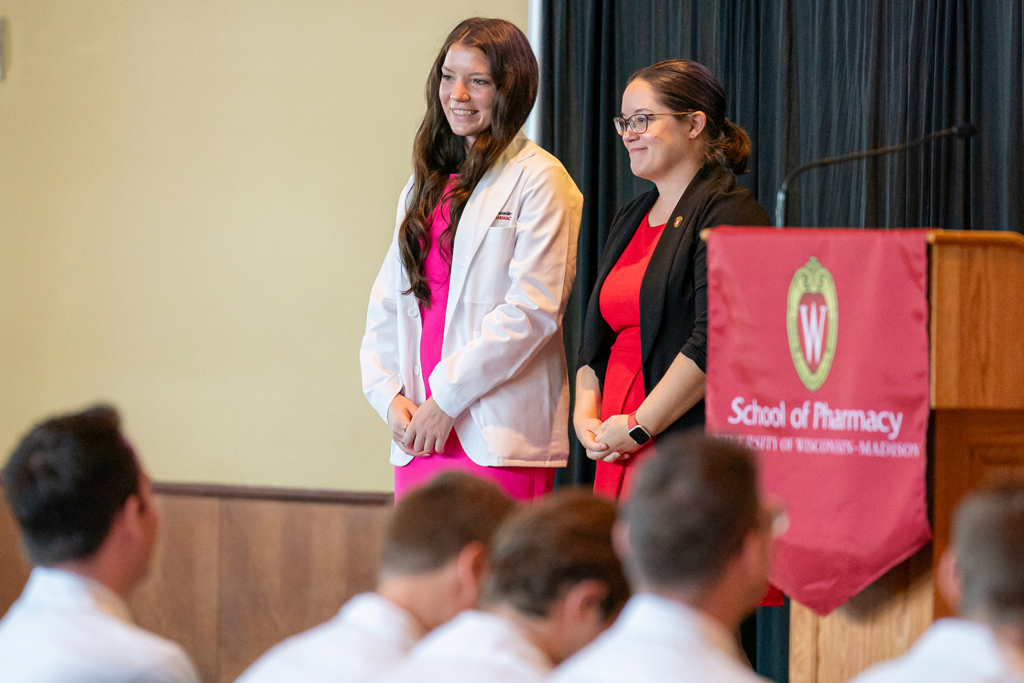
[806, 79]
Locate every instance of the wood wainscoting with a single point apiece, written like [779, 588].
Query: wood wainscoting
[13, 567]
[238, 569]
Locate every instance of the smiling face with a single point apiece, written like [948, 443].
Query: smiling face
[668, 141]
[467, 91]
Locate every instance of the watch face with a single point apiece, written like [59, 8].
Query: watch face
[639, 435]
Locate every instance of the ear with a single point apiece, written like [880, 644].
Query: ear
[948, 580]
[755, 559]
[582, 602]
[130, 516]
[698, 121]
[620, 541]
[470, 565]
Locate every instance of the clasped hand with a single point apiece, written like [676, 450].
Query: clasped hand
[608, 441]
[418, 431]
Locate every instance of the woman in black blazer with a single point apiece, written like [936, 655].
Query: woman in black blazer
[642, 357]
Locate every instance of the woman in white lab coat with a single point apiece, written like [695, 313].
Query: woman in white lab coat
[463, 354]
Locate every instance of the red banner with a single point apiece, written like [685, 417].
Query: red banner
[818, 359]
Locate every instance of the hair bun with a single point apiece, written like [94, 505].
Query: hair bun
[735, 148]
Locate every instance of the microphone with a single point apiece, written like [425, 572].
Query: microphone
[963, 130]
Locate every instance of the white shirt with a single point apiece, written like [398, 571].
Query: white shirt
[66, 628]
[950, 651]
[368, 637]
[474, 647]
[654, 640]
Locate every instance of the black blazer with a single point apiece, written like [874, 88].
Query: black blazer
[673, 293]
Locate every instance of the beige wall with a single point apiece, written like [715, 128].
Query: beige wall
[195, 197]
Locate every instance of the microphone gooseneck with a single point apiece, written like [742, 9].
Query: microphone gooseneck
[963, 130]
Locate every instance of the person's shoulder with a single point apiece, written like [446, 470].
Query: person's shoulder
[55, 640]
[304, 649]
[626, 652]
[532, 155]
[159, 659]
[326, 650]
[935, 657]
[464, 626]
[142, 655]
[644, 199]
[729, 203]
[472, 634]
[405, 197]
[890, 671]
[539, 165]
[634, 210]
[602, 661]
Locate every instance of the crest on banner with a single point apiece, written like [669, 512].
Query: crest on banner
[812, 313]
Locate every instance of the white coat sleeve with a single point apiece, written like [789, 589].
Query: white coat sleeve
[378, 353]
[541, 271]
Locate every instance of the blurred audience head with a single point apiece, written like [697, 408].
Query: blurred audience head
[982, 573]
[81, 498]
[437, 545]
[696, 528]
[553, 567]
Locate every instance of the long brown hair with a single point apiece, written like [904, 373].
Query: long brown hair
[684, 85]
[438, 152]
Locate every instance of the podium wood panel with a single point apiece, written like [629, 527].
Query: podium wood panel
[976, 301]
[878, 623]
[977, 319]
[977, 331]
[973, 448]
[14, 569]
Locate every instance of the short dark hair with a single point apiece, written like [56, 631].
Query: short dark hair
[988, 539]
[693, 505]
[67, 480]
[551, 545]
[433, 523]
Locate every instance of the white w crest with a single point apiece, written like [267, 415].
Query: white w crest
[814, 331]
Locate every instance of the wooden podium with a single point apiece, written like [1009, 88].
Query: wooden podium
[976, 303]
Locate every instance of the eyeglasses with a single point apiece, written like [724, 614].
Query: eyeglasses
[638, 122]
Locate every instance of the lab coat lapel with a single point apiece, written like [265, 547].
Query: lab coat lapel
[490, 195]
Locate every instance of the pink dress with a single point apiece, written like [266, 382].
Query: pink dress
[521, 483]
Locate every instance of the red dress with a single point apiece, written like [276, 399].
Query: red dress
[623, 389]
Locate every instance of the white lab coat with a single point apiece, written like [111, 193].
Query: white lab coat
[950, 651]
[368, 637]
[657, 640]
[503, 372]
[473, 647]
[67, 628]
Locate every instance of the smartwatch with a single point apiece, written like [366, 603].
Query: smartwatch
[636, 432]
